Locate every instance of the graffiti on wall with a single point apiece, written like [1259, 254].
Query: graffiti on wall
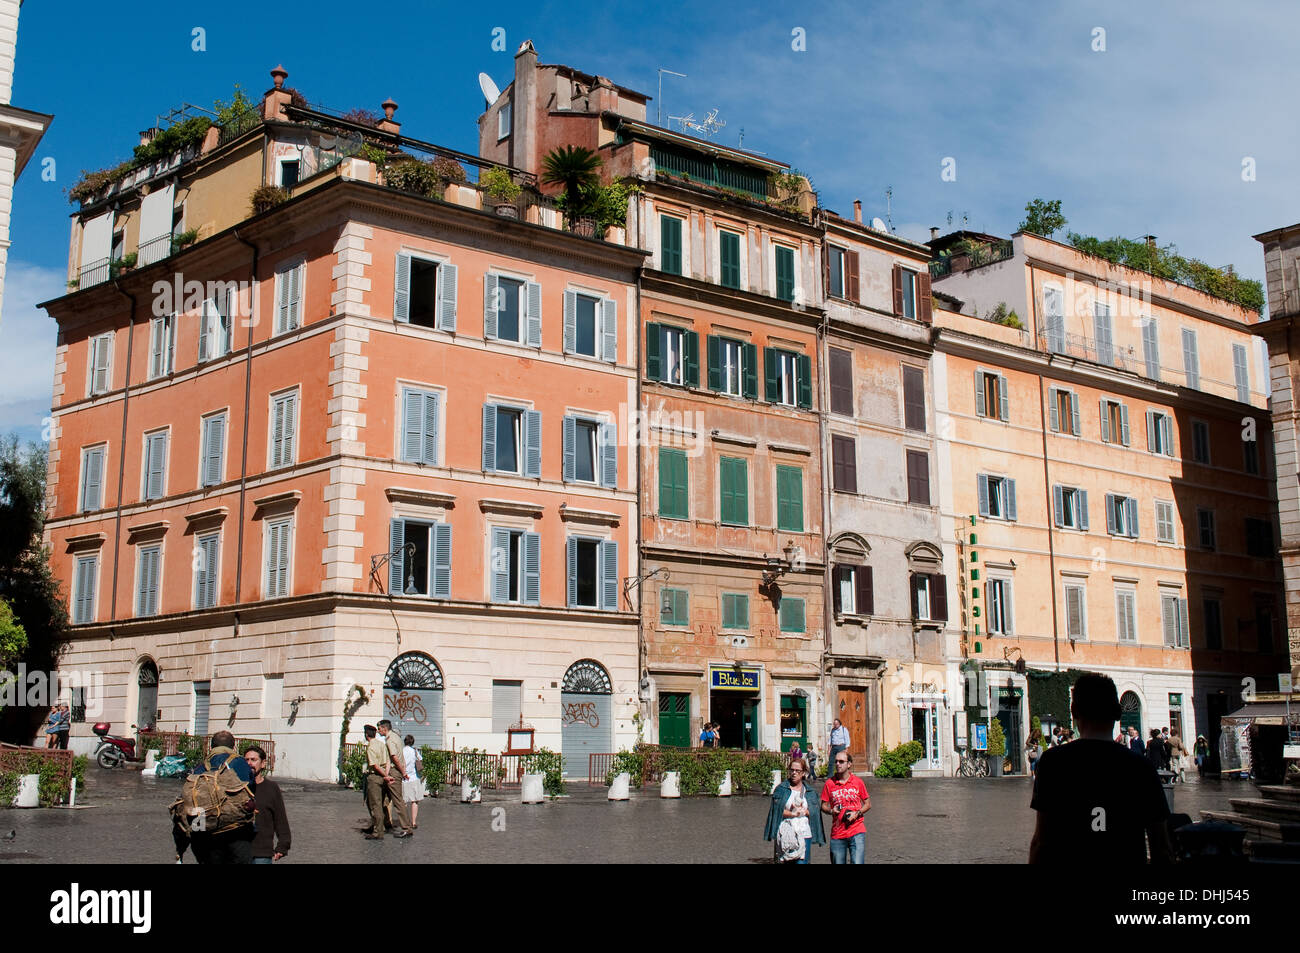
[576, 713]
[405, 707]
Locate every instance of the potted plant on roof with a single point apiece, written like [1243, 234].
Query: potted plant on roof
[500, 191]
[451, 176]
[997, 748]
[574, 169]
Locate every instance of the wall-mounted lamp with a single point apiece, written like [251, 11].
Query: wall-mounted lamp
[293, 708]
[379, 560]
[234, 704]
[778, 567]
[1020, 662]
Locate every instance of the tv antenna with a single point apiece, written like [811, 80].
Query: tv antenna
[889, 195]
[659, 102]
[705, 127]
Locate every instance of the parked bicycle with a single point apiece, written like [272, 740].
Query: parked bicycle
[974, 764]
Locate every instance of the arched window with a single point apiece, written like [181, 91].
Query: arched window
[588, 677]
[413, 670]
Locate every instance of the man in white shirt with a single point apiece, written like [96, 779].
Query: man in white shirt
[839, 740]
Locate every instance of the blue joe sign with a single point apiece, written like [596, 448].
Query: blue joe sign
[727, 678]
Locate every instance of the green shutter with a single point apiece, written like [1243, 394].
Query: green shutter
[792, 615]
[749, 371]
[673, 484]
[670, 244]
[804, 385]
[653, 345]
[789, 499]
[735, 610]
[691, 349]
[714, 351]
[771, 386]
[733, 474]
[784, 273]
[729, 259]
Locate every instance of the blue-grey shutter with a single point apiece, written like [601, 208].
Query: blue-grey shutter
[608, 442]
[1151, 431]
[533, 443]
[532, 569]
[534, 298]
[1081, 503]
[1003, 399]
[1241, 373]
[609, 329]
[1183, 641]
[1167, 428]
[1058, 504]
[982, 484]
[157, 465]
[1053, 415]
[499, 564]
[430, 454]
[1151, 348]
[490, 306]
[1131, 508]
[570, 429]
[489, 438]
[412, 425]
[295, 296]
[205, 328]
[979, 393]
[1105, 422]
[442, 560]
[1191, 364]
[1110, 514]
[91, 497]
[447, 296]
[1074, 413]
[1123, 424]
[402, 288]
[1102, 332]
[571, 570]
[607, 583]
[214, 441]
[396, 573]
[570, 322]
[210, 596]
[1011, 498]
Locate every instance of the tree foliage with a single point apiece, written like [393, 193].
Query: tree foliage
[1043, 217]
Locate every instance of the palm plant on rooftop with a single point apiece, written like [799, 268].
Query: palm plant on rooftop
[573, 168]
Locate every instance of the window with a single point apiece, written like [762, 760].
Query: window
[420, 564]
[284, 427]
[92, 478]
[290, 169]
[670, 244]
[216, 329]
[789, 377]
[506, 311]
[1173, 619]
[918, 477]
[1259, 538]
[504, 118]
[733, 367]
[424, 292]
[835, 267]
[162, 346]
[841, 372]
[1151, 348]
[288, 297]
[997, 497]
[733, 478]
[1076, 612]
[792, 615]
[1201, 441]
[1054, 318]
[785, 272]
[998, 596]
[852, 591]
[178, 219]
[101, 364]
[844, 464]
[1125, 614]
[1205, 528]
[1121, 515]
[1165, 522]
[1114, 422]
[907, 288]
[148, 570]
[1250, 457]
[789, 499]
[674, 607]
[515, 562]
[119, 245]
[212, 444]
[1191, 362]
[929, 597]
[590, 452]
[277, 557]
[83, 598]
[914, 398]
[1264, 624]
[512, 440]
[1241, 372]
[507, 704]
[1160, 433]
[728, 259]
[991, 395]
[1212, 611]
[590, 325]
[593, 573]
[1104, 333]
[206, 552]
[155, 466]
[420, 422]
[735, 610]
[673, 484]
[1063, 411]
[672, 355]
[1070, 507]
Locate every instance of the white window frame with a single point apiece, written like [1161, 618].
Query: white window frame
[520, 448]
[290, 457]
[918, 594]
[831, 250]
[726, 347]
[606, 322]
[1172, 522]
[1082, 587]
[281, 162]
[198, 570]
[102, 450]
[1071, 507]
[1182, 638]
[1200, 530]
[908, 276]
[78, 594]
[1122, 528]
[144, 456]
[1126, 592]
[787, 372]
[1201, 426]
[998, 493]
[524, 281]
[268, 590]
[291, 318]
[505, 120]
[1161, 427]
[162, 346]
[1005, 606]
[217, 324]
[674, 342]
[100, 344]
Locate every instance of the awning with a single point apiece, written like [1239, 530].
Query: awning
[1262, 713]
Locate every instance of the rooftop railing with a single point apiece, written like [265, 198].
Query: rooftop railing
[978, 257]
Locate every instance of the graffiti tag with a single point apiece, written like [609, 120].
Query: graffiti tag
[578, 712]
[405, 707]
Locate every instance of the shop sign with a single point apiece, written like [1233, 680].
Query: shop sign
[730, 679]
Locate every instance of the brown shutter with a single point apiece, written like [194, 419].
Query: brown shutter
[851, 290]
[841, 382]
[837, 577]
[898, 290]
[918, 477]
[844, 466]
[866, 592]
[923, 307]
[914, 398]
[939, 597]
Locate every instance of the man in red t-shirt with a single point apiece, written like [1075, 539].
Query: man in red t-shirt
[845, 798]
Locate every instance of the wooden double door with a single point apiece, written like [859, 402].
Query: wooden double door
[851, 710]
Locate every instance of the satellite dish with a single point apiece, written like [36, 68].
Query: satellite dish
[490, 91]
[878, 224]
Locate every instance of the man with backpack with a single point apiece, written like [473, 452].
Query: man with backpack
[216, 806]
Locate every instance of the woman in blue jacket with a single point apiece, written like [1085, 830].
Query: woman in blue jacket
[796, 801]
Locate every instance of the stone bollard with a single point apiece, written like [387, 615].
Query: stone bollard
[531, 790]
[151, 759]
[29, 791]
[619, 790]
[776, 781]
[670, 786]
[470, 793]
[724, 786]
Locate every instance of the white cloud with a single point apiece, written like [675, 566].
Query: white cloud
[27, 339]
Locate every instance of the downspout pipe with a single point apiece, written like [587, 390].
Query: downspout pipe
[121, 450]
[248, 390]
[1047, 484]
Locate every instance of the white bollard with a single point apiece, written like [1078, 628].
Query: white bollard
[670, 786]
[776, 781]
[151, 758]
[619, 790]
[72, 794]
[29, 791]
[724, 786]
[470, 793]
[531, 790]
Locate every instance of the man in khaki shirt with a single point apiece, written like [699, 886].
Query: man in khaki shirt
[378, 775]
[396, 774]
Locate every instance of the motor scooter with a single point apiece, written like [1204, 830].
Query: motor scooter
[112, 751]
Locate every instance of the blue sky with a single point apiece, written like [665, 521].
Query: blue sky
[1145, 137]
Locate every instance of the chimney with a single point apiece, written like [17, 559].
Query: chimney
[277, 97]
[604, 97]
[1151, 242]
[857, 211]
[934, 233]
[147, 135]
[388, 124]
[523, 152]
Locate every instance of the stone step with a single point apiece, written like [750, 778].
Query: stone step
[1254, 825]
[1283, 811]
[1279, 792]
[1273, 852]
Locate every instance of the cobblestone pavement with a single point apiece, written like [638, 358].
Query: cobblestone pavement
[124, 821]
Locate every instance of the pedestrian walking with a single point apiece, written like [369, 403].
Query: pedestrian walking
[1033, 750]
[413, 786]
[1155, 750]
[393, 797]
[1097, 804]
[234, 846]
[271, 834]
[845, 799]
[1178, 756]
[1135, 742]
[378, 770]
[1201, 751]
[794, 824]
[839, 741]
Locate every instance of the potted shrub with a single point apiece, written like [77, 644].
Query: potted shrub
[575, 169]
[997, 748]
[267, 197]
[500, 191]
[450, 175]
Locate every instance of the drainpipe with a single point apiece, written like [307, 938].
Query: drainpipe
[823, 399]
[643, 430]
[121, 450]
[248, 387]
[1047, 487]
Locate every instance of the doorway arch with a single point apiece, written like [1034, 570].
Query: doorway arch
[413, 698]
[1130, 712]
[586, 715]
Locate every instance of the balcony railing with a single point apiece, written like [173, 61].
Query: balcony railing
[979, 257]
[155, 249]
[94, 273]
[1085, 348]
[240, 124]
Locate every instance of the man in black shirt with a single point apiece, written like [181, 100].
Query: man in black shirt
[272, 838]
[1097, 802]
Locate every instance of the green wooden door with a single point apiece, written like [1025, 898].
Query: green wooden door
[675, 719]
